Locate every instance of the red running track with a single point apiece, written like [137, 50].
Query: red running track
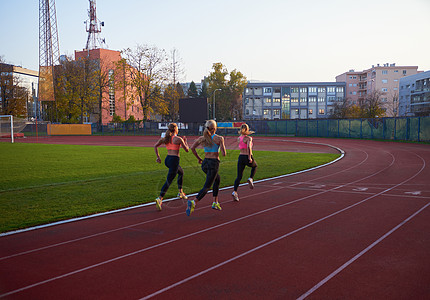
[355, 229]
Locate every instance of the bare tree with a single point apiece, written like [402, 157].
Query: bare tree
[148, 70]
[372, 105]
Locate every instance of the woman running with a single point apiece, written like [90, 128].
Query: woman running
[245, 159]
[173, 142]
[212, 144]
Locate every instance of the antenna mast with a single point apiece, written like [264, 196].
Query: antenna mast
[93, 28]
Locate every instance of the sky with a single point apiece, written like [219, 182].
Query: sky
[271, 40]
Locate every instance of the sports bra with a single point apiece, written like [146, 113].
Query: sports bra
[242, 145]
[171, 146]
[214, 147]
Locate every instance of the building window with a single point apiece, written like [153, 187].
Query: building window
[312, 99]
[267, 90]
[404, 72]
[384, 81]
[339, 89]
[321, 90]
[384, 72]
[311, 111]
[302, 99]
[331, 89]
[268, 100]
[111, 92]
[294, 99]
[384, 90]
[294, 90]
[247, 112]
[303, 90]
[276, 100]
[312, 90]
[321, 99]
[266, 112]
[321, 111]
[276, 112]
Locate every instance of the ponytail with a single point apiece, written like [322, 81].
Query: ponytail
[170, 132]
[210, 128]
[244, 130]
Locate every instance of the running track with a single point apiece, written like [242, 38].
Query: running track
[355, 229]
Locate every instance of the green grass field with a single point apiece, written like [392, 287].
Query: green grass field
[43, 183]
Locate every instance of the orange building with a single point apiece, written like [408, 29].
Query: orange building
[113, 100]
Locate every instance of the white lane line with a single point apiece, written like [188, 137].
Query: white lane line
[158, 219]
[214, 227]
[151, 203]
[345, 265]
[282, 237]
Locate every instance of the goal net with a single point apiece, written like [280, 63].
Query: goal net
[11, 126]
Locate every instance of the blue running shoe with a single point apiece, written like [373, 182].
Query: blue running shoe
[190, 207]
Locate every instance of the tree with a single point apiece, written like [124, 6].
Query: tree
[78, 89]
[228, 101]
[192, 90]
[371, 106]
[341, 109]
[204, 91]
[149, 69]
[13, 97]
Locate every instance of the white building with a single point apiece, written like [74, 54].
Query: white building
[414, 95]
[306, 100]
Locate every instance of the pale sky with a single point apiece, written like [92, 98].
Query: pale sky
[270, 40]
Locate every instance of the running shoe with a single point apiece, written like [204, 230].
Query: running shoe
[215, 205]
[190, 207]
[158, 202]
[251, 183]
[182, 196]
[235, 196]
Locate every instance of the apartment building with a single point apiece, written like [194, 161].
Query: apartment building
[307, 100]
[414, 95]
[25, 78]
[383, 78]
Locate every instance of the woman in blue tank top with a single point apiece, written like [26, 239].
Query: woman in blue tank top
[212, 144]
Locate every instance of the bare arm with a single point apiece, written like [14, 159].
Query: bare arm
[156, 150]
[222, 146]
[249, 144]
[193, 149]
[184, 143]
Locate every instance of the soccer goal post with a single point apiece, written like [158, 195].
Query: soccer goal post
[11, 126]
[6, 127]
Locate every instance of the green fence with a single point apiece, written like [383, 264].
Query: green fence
[405, 129]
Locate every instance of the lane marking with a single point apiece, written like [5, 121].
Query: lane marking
[349, 262]
[206, 230]
[416, 193]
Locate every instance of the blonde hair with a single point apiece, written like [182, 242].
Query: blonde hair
[244, 130]
[210, 128]
[170, 132]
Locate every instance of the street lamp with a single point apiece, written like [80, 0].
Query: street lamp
[214, 103]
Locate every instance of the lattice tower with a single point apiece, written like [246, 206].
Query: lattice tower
[93, 28]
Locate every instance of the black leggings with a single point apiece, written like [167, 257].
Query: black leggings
[172, 162]
[210, 166]
[242, 162]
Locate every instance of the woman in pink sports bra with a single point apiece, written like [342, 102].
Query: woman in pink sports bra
[173, 142]
[245, 159]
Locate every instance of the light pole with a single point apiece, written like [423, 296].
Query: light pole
[214, 103]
